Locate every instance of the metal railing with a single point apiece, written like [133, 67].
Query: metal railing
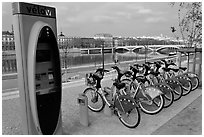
[193, 59]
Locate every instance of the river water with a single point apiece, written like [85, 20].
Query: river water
[78, 59]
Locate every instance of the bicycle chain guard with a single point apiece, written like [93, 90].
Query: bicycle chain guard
[125, 103]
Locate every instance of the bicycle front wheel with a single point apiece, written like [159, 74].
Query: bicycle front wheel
[195, 82]
[127, 111]
[153, 106]
[185, 83]
[178, 92]
[177, 88]
[95, 100]
[130, 119]
[167, 94]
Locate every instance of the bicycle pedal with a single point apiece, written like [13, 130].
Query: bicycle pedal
[111, 106]
[106, 93]
[115, 112]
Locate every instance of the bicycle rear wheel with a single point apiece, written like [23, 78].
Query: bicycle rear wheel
[95, 100]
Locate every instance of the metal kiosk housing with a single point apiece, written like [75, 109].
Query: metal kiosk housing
[39, 70]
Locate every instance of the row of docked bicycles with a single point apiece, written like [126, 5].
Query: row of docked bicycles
[149, 87]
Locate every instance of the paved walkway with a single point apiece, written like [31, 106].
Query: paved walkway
[187, 122]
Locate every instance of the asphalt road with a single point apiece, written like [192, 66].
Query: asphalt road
[100, 124]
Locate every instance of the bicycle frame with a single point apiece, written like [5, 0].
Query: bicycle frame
[137, 90]
[115, 95]
[139, 87]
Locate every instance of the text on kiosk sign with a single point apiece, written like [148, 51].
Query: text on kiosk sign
[39, 10]
[33, 9]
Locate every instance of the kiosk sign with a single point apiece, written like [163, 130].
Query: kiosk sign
[34, 10]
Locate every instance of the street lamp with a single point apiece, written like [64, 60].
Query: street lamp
[103, 55]
[145, 53]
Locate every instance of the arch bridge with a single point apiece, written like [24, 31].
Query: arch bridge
[152, 48]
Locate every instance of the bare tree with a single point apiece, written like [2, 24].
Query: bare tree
[190, 22]
[65, 53]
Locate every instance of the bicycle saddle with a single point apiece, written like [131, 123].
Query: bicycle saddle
[121, 72]
[168, 63]
[147, 68]
[97, 76]
[158, 65]
[141, 79]
[183, 68]
[134, 69]
[166, 69]
[119, 85]
[175, 70]
[127, 73]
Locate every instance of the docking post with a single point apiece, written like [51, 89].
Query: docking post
[178, 59]
[83, 109]
[194, 61]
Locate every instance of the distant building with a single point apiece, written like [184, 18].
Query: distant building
[8, 41]
[62, 41]
[8, 53]
[107, 38]
[118, 41]
[87, 43]
[68, 42]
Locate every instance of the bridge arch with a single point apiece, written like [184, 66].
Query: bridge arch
[121, 49]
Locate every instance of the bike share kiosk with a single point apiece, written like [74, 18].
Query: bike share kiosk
[39, 70]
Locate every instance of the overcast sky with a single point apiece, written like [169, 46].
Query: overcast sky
[117, 18]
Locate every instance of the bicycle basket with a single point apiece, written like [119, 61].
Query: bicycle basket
[98, 74]
[89, 80]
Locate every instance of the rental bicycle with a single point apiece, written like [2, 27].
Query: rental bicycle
[184, 80]
[149, 98]
[192, 76]
[123, 105]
